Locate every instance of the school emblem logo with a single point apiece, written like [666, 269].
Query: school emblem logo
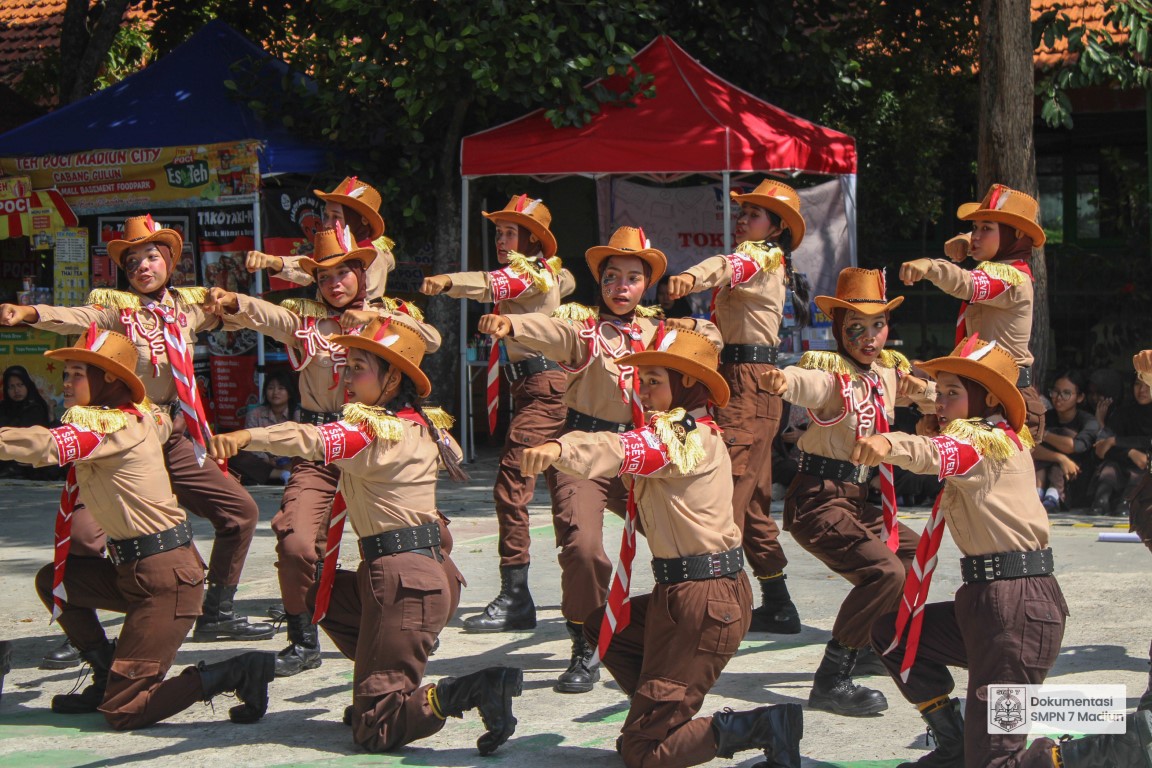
[1008, 711]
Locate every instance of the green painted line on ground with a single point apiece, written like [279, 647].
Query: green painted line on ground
[861, 764]
[35, 724]
[51, 758]
[354, 761]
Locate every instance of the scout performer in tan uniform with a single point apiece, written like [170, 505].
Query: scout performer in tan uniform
[849, 394]
[353, 205]
[749, 288]
[1140, 502]
[163, 323]
[305, 328]
[1006, 622]
[532, 280]
[386, 615]
[997, 293]
[153, 573]
[666, 649]
[601, 397]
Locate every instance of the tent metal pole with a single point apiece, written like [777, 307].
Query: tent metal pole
[467, 439]
[258, 287]
[726, 183]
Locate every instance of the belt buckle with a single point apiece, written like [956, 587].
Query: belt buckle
[861, 473]
[113, 553]
[987, 567]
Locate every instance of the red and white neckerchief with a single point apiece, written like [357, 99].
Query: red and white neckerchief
[343, 441]
[957, 458]
[492, 382]
[631, 340]
[644, 454]
[312, 343]
[984, 288]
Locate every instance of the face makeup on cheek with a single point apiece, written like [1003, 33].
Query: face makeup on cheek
[864, 336]
[622, 283]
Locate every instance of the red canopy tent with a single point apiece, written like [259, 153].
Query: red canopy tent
[697, 123]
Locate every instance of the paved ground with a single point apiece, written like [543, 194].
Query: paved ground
[1107, 640]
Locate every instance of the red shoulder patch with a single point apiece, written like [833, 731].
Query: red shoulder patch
[956, 457]
[75, 443]
[644, 454]
[342, 440]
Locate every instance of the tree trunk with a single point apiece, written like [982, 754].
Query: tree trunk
[1007, 154]
[82, 54]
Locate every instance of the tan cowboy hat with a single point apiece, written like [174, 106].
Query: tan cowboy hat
[360, 197]
[330, 249]
[628, 241]
[394, 343]
[531, 214]
[114, 353]
[863, 290]
[781, 200]
[990, 365]
[142, 229]
[1007, 206]
[690, 353]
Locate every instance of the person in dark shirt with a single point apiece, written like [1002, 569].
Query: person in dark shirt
[22, 406]
[1123, 449]
[1065, 459]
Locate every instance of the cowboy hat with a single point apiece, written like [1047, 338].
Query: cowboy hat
[360, 197]
[781, 200]
[396, 344]
[114, 353]
[139, 230]
[690, 353]
[330, 249]
[863, 290]
[628, 241]
[1006, 206]
[991, 366]
[531, 214]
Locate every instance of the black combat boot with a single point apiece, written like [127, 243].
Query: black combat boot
[220, 622]
[868, 663]
[246, 675]
[489, 690]
[581, 673]
[1131, 749]
[1146, 698]
[833, 689]
[777, 614]
[65, 656]
[777, 730]
[512, 610]
[947, 728]
[100, 659]
[303, 651]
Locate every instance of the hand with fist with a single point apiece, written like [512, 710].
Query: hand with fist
[958, 248]
[871, 450]
[15, 314]
[496, 326]
[774, 382]
[256, 261]
[535, 460]
[435, 285]
[680, 286]
[229, 444]
[220, 302]
[914, 271]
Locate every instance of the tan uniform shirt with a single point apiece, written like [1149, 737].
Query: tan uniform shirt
[123, 481]
[478, 287]
[1146, 378]
[386, 485]
[595, 388]
[682, 513]
[376, 275]
[748, 312]
[991, 508]
[160, 387]
[1005, 317]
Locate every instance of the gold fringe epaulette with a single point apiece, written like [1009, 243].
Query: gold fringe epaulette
[399, 305]
[575, 312]
[110, 298]
[990, 442]
[383, 425]
[383, 243]
[642, 311]
[102, 420]
[523, 266]
[685, 449]
[192, 295]
[1003, 272]
[829, 362]
[767, 256]
[307, 308]
[439, 417]
[890, 358]
[555, 265]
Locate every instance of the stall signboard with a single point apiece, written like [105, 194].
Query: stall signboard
[70, 283]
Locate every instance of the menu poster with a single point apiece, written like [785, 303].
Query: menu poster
[70, 283]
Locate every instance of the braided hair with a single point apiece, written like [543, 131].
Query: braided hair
[408, 396]
[801, 289]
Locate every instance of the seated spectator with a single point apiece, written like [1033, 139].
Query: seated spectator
[22, 406]
[1123, 448]
[681, 307]
[281, 403]
[1065, 460]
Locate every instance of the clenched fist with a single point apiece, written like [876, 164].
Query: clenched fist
[958, 248]
[1142, 361]
[221, 302]
[914, 271]
[496, 326]
[229, 444]
[871, 450]
[535, 460]
[355, 318]
[911, 386]
[14, 314]
[774, 382]
[257, 261]
[680, 285]
[681, 323]
[435, 285]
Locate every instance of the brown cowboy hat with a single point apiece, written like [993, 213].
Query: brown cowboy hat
[394, 343]
[1007, 206]
[329, 249]
[690, 353]
[114, 353]
[142, 229]
[990, 365]
[628, 241]
[781, 200]
[531, 214]
[360, 197]
[863, 290]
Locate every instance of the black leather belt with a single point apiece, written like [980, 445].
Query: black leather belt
[529, 366]
[748, 353]
[416, 539]
[319, 418]
[1006, 565]
[834, 469]
[698, 567]
[582, 422]
[128, 550]
[1024, 380]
